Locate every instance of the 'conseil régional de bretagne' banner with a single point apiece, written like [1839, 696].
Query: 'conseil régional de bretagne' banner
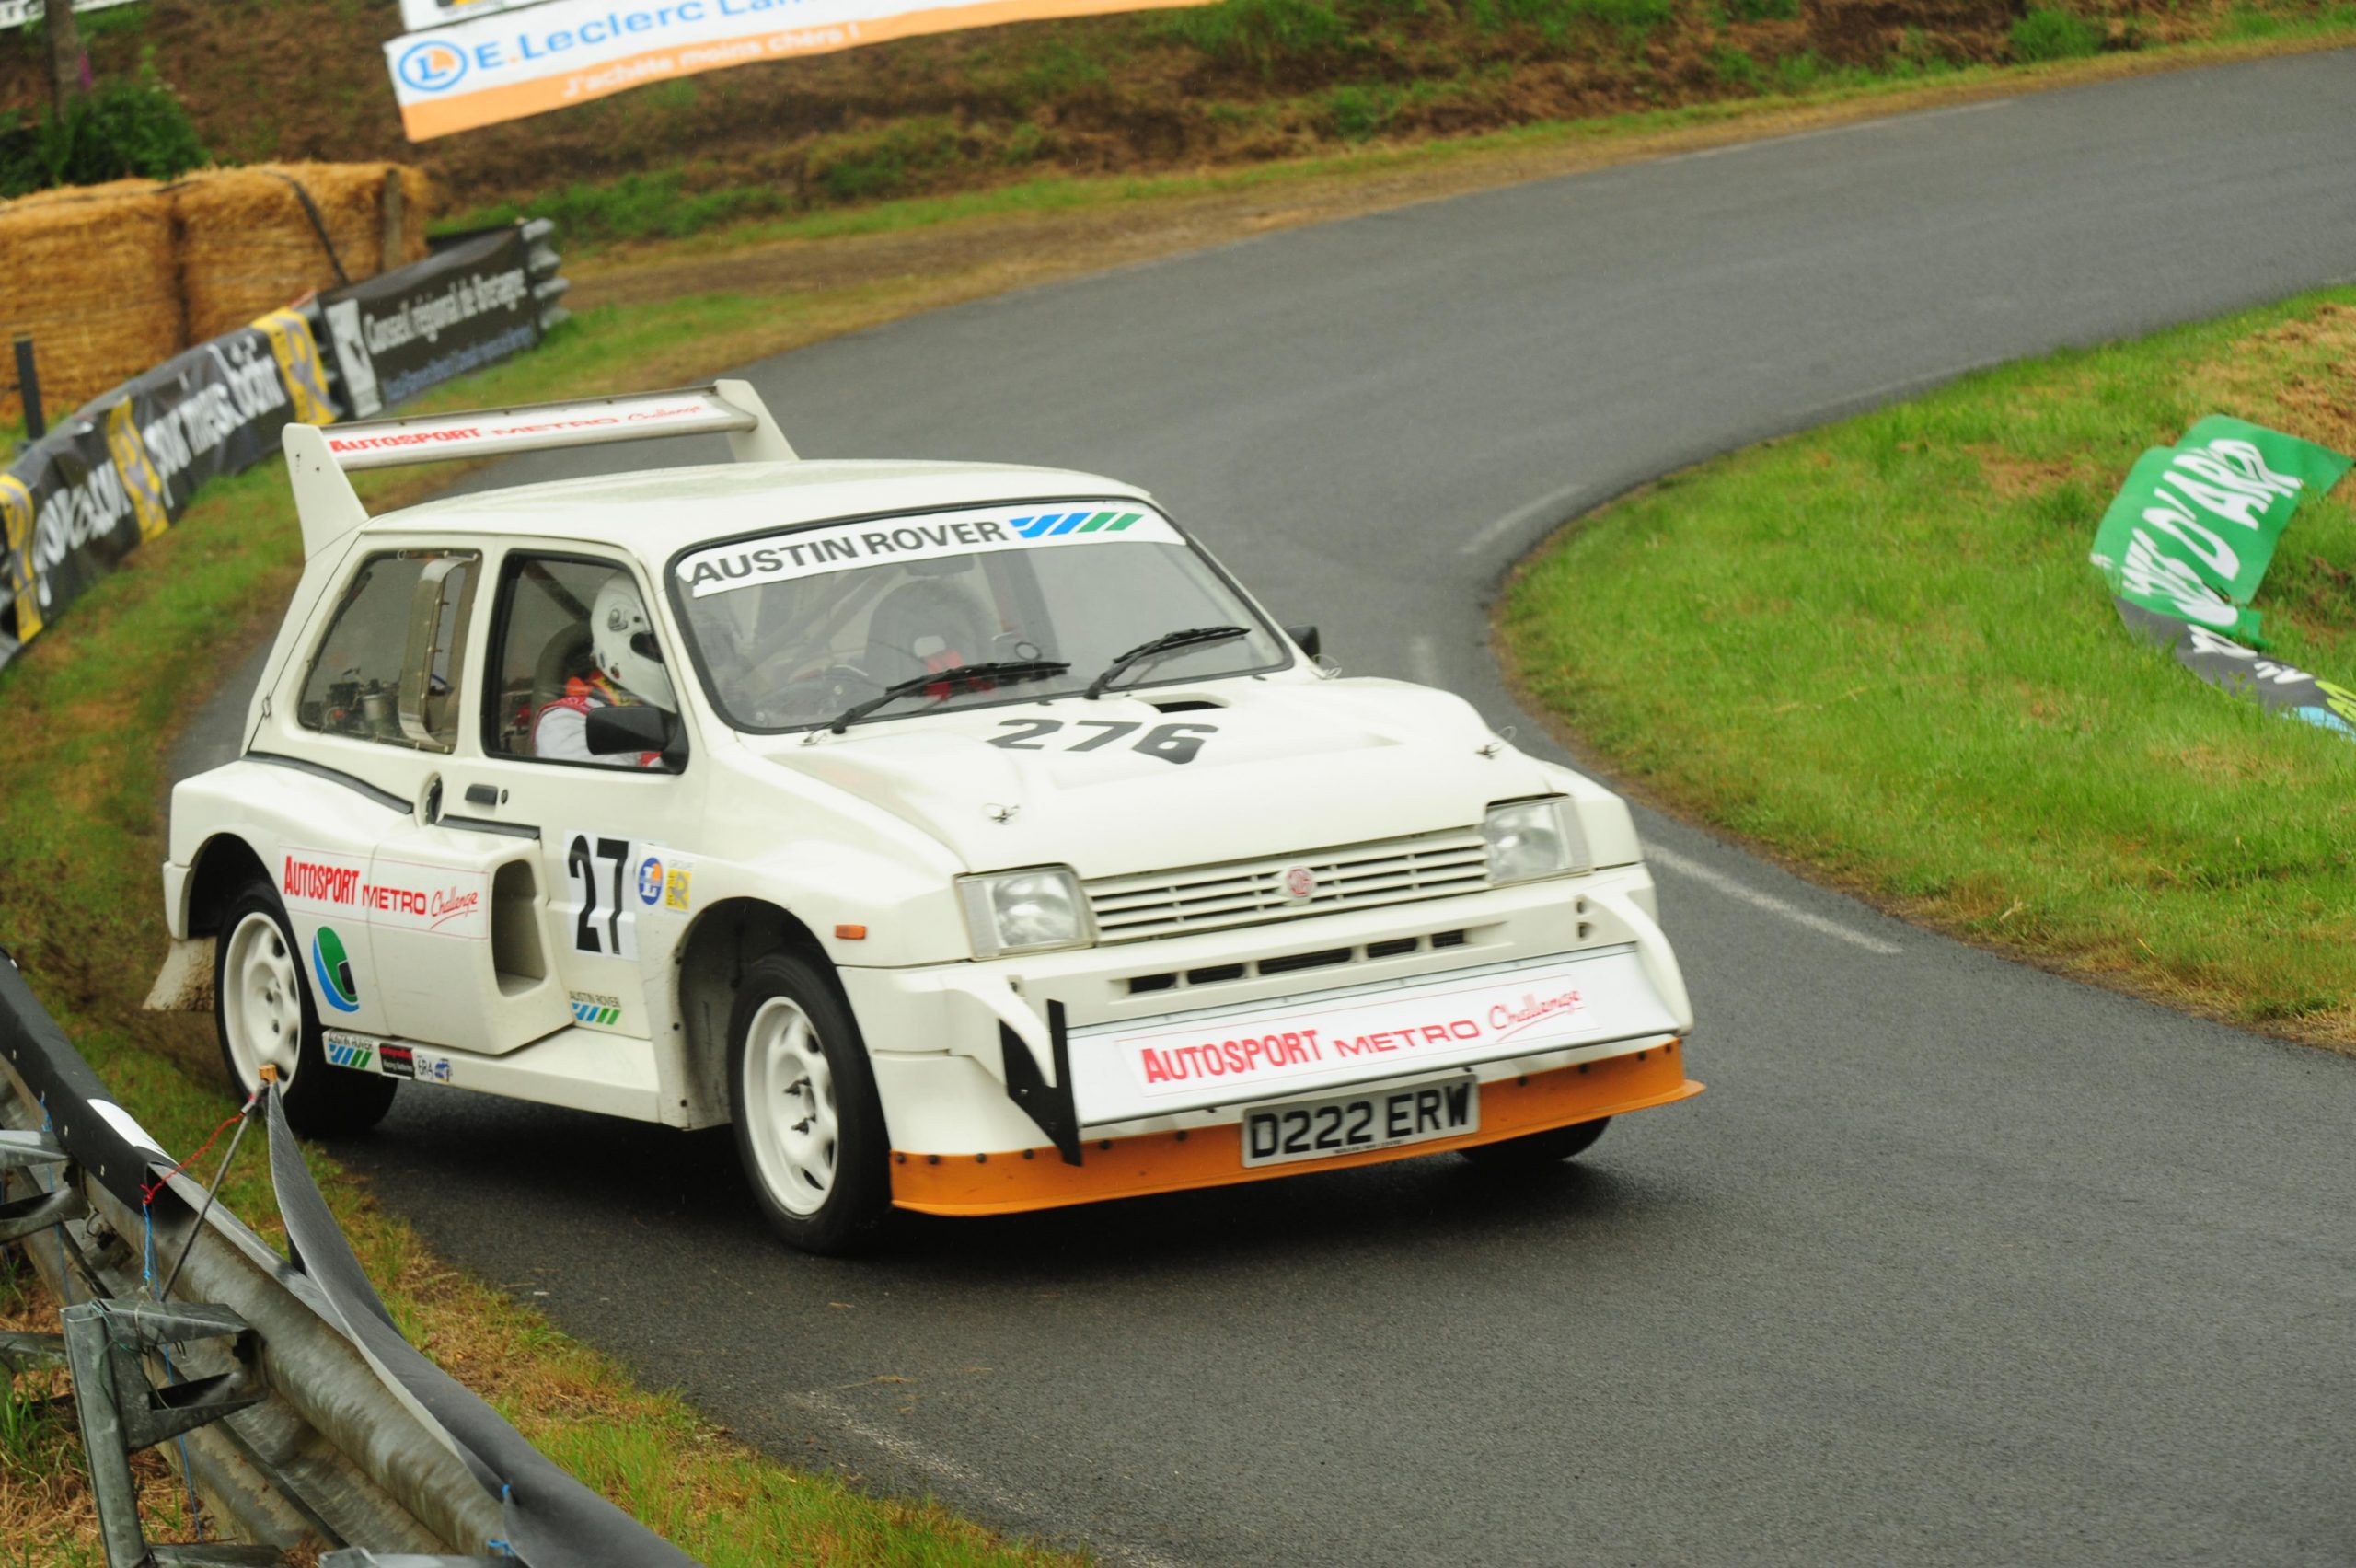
[484, 68]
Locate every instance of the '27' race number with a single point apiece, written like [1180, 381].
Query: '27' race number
[1171, 743]
[602, 920]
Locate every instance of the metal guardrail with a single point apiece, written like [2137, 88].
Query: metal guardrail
[296, 1412]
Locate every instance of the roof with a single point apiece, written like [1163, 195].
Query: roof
[655, 513]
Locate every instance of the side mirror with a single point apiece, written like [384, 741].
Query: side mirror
[622, 731]
[1306, 636]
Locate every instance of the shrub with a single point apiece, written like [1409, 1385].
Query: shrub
[1262, 34]
[2053, 35]
[864, 166]
[1358, 111]
[1735, 68]
[123, 128]
[1762, 10]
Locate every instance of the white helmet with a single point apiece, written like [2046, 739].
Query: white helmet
[623, 639]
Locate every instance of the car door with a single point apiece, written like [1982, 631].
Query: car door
[605, 827]
[438, 928]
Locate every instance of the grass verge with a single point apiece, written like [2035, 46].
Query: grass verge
[1877, 650]
[92, 705]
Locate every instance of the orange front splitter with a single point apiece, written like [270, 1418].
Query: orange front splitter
[1213, 1157]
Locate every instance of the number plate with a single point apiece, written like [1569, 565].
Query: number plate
[1353, 1123]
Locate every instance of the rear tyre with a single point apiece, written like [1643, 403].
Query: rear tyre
[809, 1126]
[1538, 1150]
[264, 1013]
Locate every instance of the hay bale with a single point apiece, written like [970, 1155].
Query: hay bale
[247, 245]
[93, 276]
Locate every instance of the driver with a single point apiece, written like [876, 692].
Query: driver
[627, 673]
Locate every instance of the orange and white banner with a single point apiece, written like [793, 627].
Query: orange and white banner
[557, 53]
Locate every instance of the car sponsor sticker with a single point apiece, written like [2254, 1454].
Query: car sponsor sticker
[331, 966]
[1221, 1056]
[846, 546]
[591, 1006]
[400, 894]
[345, 1051]
[396, 1061]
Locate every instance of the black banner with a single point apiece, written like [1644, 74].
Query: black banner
[123, 467]
[457, 310]
[2222, 662]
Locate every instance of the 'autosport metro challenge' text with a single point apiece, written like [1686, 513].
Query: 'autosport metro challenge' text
[1445, 1020]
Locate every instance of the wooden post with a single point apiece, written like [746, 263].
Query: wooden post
[396, 224]
[63, 40]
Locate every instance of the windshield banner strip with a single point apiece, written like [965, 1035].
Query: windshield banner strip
[846, 546]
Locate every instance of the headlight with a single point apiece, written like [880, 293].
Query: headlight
[1533, 838]
[1025, 911]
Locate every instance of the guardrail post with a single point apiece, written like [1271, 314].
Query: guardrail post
[28, 388]
[30, 1216]
[121, 1412]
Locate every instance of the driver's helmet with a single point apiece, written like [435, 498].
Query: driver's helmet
[623, 640]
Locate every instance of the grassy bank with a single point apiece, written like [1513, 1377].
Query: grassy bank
[1235, 84]
[1877, 650]
[91, 707]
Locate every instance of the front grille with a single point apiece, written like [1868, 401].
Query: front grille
[1249, 893]
[1290, 963]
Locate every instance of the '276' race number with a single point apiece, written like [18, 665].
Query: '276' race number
[1171, 743]
[603, 921]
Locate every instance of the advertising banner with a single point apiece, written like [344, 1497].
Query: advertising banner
[482, 71]
[2187, 542]
[419, 15]
[461, 308]
[125, 466]
[16, 13]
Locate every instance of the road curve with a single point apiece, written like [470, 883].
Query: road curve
[1956, 1263]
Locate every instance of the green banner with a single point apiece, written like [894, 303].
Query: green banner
[2193, 531]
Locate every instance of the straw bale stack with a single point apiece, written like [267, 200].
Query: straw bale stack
[92, 275]
[247, 247]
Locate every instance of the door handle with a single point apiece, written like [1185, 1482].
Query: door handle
[482, 794]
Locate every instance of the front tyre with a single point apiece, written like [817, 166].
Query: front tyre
[1537, 1150]
[809, 1126]
[265, 1017]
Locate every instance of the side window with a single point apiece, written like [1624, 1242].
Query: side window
[390, 668]
[574, 636]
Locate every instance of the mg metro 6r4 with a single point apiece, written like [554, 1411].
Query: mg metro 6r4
[965, 834]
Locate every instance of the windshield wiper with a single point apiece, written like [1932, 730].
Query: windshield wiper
[1168, 642]
[960, 675]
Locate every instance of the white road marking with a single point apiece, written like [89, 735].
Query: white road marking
[1423, 661]
[996, 1498]
[1669, 860]
[1565, 502]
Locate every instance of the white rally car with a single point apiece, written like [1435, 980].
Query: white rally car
[962, 833]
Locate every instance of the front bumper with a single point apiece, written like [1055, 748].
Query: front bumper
[1012, 1181]
[953, 1046]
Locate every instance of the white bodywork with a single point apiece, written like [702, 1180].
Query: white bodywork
[525, 929]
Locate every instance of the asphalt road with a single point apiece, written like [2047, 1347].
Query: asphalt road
[1957, 1261]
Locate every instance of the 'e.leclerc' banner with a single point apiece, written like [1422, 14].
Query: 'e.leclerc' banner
[125, 466]
[557, 53]
[2187, 541]
[466, 306]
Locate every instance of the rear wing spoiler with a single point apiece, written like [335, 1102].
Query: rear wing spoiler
[318, 459]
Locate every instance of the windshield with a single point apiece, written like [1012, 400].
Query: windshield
[798, 627]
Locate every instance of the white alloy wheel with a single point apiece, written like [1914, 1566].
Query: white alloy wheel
[791, 1125]
[261, 1001]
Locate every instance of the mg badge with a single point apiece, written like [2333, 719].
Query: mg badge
[1299, 882]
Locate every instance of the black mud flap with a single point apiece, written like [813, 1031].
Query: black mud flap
[1048, 1104]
